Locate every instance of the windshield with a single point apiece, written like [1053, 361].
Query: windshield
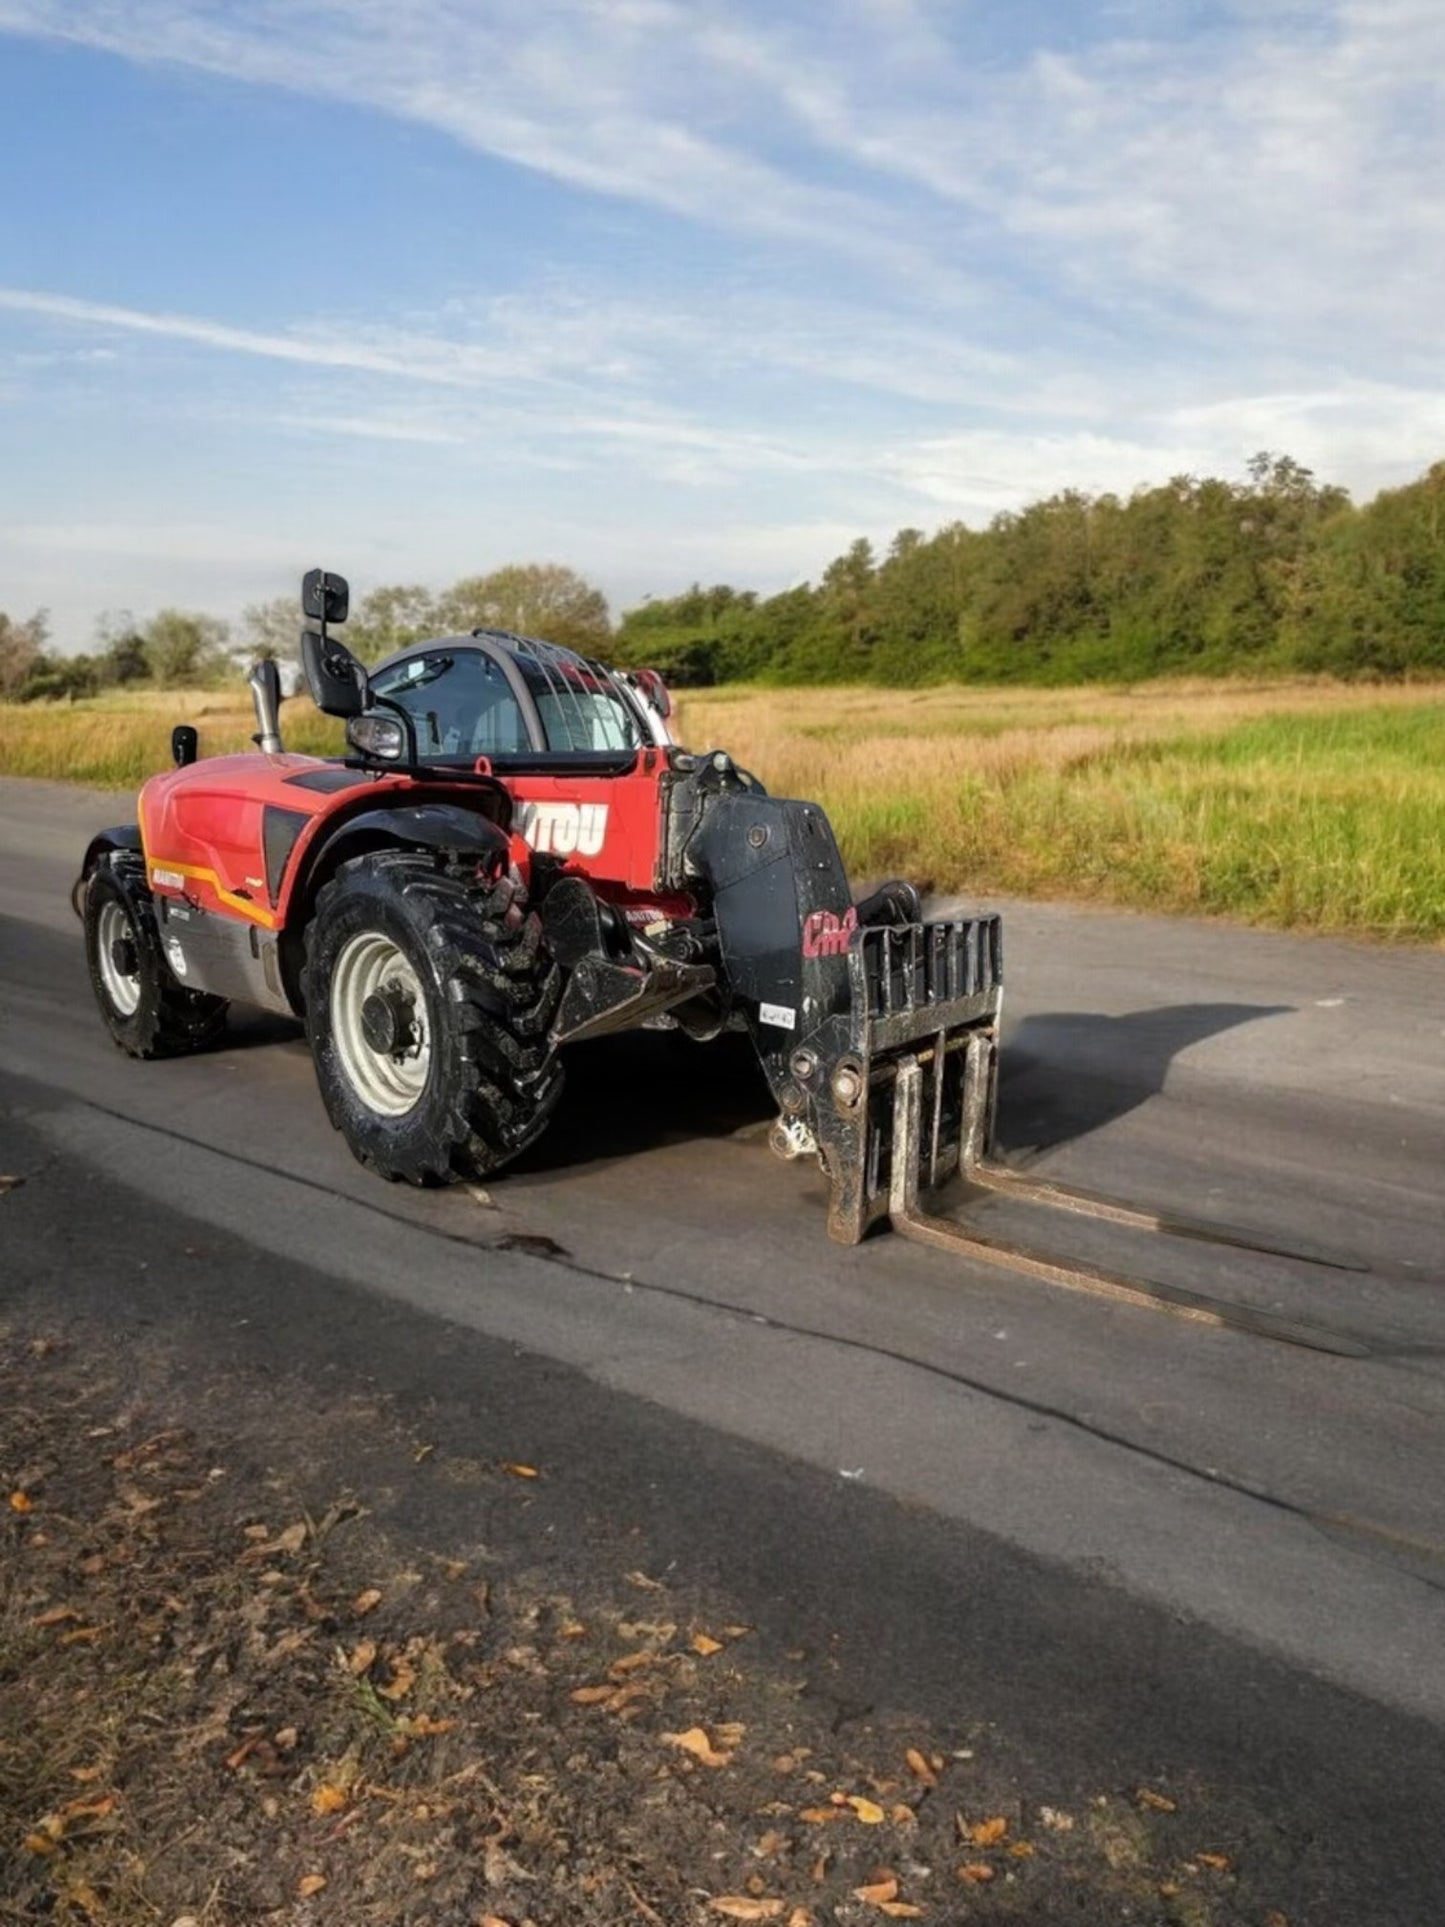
[463, 704]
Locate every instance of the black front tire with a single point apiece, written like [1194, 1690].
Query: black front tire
[147, 1011]
[428, 1001]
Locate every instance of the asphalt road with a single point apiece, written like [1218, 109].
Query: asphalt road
[1113, 1531]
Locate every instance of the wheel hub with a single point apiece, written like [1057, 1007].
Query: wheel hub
[388, 1021]
[117, 959]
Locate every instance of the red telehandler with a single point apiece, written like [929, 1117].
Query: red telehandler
[515, 856]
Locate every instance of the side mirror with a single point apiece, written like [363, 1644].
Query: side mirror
[335, 678]
[185, 745]
[324, 597]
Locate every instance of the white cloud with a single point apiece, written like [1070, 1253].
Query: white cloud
[378, 349]
[955, 259]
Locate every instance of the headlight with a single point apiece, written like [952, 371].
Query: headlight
[380, 736]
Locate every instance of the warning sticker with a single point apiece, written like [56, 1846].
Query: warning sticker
[778, 1015]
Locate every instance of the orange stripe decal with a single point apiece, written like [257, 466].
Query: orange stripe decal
[166, 875]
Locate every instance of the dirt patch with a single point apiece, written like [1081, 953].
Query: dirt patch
[226, 1702]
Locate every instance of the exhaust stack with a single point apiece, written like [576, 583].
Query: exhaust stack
[265, 682]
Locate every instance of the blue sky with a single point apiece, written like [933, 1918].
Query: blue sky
[671, 291]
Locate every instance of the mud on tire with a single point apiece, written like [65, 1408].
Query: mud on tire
[428, 999]
[146, 1010]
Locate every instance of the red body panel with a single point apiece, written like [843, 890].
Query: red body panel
[202, 827]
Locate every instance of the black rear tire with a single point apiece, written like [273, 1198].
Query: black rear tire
[428, 1000]
[147, 1011]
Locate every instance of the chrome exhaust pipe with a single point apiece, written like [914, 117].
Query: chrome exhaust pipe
[265, 682]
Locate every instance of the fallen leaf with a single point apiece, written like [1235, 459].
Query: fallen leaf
[746, 1907]
[328, 1798]
[1021, 1850]
[881, 1887]
[1056, 1821]
[75, 1810]
[643, 1583]
[57, 1616]
[1217, 1862]
[978, 1871]
[81, 1894]
[771, 1841]
[40, 1843]
[21, 1502]
[421, 1726]
[290, 1643]
[868, 1811]
[9, 1182]
[591, 1695]
[361, 1657]
[987, 1833]
[367, 1601]
[705, 1645]
[629, 1663]
[1274, 1918]
[86, 1775]
[801, 1917]
[900, 1910]
[919, 1767]
[816, 1816]
[403, 1678]
[696, 1742]
[308, 1884]
[291, 1540]
[520, 1471]
[81, 1636]
[1156, 1802]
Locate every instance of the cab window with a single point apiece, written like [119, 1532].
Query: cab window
[461, 703]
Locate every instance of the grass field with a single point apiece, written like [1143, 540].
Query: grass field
[1304, 805]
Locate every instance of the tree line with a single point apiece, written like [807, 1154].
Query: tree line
[178, 648]
[1277, 573]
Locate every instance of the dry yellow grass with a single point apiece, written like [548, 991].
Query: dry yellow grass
[117, 740]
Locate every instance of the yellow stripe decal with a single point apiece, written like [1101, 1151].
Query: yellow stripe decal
[170, 875]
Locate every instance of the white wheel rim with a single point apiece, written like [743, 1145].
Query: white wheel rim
[387, 1082]
[112, 928]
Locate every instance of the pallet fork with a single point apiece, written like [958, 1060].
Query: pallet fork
[903, 1092]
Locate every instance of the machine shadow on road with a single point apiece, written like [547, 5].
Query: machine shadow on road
[1063, 1074]
[1066, 1073]
[644, 1089]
